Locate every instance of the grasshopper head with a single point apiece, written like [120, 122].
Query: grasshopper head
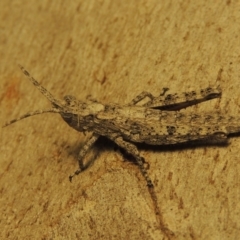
[80, 115]
[77, 114]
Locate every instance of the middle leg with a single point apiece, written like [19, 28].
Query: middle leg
[132, 149]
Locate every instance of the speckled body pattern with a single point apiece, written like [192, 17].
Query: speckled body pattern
[155, 122]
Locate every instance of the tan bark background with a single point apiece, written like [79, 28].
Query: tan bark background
[114, 50]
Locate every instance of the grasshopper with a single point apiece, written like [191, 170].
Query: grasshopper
[157, 121]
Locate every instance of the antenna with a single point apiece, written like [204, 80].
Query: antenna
[29, 114]
[43, 90]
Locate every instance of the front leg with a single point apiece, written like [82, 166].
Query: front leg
[83, 153]
[132, 149]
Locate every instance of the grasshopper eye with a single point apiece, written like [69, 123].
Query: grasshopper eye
[68, 118]
[70, 100]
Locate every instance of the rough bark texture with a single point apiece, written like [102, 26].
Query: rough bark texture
[114, 50]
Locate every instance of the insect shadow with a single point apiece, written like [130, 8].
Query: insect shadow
[104, 143]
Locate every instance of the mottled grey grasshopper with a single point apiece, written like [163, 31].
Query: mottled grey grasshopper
[155, 122]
